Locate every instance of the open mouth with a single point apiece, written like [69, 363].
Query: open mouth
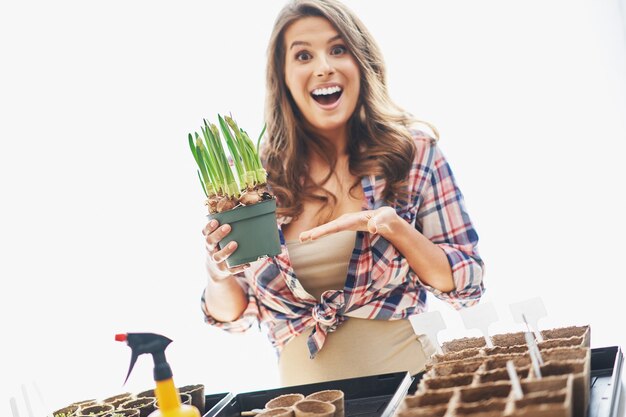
[328, 95]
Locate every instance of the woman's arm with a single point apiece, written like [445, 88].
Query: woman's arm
[442, 218]
[224, 299]
[429, 262]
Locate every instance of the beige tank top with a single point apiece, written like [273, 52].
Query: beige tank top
[358, 347]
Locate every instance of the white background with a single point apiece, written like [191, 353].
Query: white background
[101, 209]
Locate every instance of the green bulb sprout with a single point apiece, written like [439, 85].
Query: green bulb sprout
[225, 190]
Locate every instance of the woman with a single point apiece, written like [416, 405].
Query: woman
[369, 214]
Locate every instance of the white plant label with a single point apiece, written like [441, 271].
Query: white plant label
[534, 310]
[480, 317]
[430, 324]
[518, 394]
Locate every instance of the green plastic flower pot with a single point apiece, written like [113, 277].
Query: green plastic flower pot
[254, 229]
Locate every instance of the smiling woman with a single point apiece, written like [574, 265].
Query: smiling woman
[101, 214]
[370, 216]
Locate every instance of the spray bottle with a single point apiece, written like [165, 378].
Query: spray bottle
[168, 398]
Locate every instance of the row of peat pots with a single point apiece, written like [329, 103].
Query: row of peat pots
[130, 405]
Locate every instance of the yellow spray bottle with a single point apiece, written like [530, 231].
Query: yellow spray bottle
[168, 398]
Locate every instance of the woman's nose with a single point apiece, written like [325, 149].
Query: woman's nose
[324, 67]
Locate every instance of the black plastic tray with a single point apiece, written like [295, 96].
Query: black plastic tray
[370, 396]
[217, 400]
[606, 381]
[380, 395]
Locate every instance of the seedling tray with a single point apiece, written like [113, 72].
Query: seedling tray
[371, 396]
[380, 395]
[606, 381]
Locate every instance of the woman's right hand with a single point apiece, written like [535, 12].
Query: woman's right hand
[216, 258]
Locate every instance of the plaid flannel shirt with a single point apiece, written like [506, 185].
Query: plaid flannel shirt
[380, 284]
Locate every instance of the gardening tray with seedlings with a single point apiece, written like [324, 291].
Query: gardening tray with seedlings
[141, 404]
[471, 379]
[240, 198]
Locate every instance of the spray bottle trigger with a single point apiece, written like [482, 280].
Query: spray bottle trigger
[123, 337]
[133, 359]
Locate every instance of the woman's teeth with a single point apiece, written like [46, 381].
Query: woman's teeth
[326, 91]
[327, 96]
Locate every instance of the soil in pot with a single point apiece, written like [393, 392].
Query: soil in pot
[144, 405]
[85, 403]
[125, 413]
[94, 410]
[147, 393]
[68, 411]
[116, 400]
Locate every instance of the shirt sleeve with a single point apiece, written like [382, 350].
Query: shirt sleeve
[443, 218]
[249, 316]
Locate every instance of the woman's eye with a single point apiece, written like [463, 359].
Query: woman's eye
[303, 56]
[338, 50]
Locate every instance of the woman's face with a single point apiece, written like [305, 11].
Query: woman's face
[321, 74]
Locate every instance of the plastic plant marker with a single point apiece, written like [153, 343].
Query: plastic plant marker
[515, 384]
[41, 400]
[532, 342]
[430, 323]
[480, 317]
[532, 350]
[29, 409]
[534, 310]
[14, 409]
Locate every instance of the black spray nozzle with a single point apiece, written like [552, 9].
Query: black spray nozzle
[152, 343]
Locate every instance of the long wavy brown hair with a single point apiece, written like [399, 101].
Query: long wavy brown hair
[379, 141]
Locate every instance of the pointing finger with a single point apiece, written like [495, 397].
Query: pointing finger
[320, 231]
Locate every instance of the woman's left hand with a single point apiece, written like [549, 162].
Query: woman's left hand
[373, 221]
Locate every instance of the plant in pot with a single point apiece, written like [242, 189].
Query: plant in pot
[240, 198]
[68, 411]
